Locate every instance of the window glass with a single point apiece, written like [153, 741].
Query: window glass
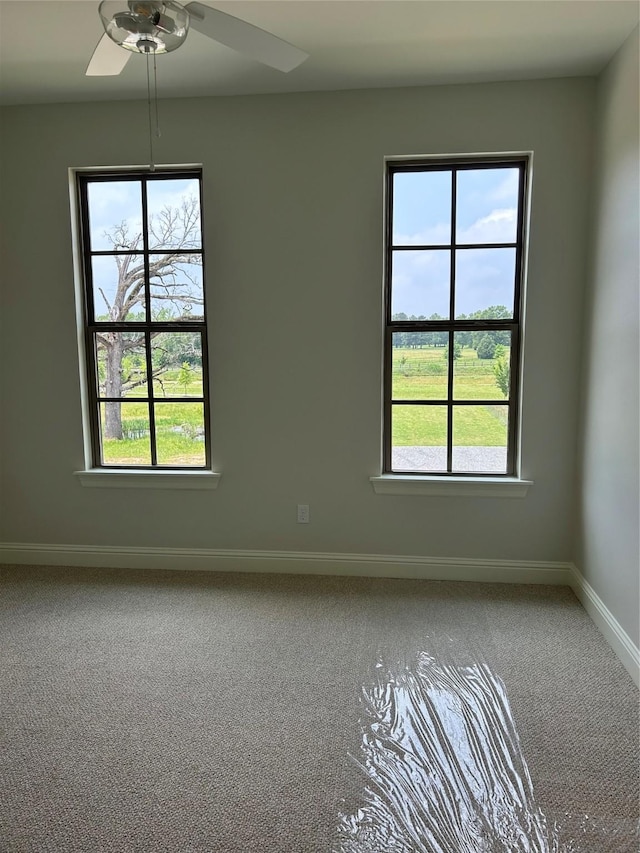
[420, 366]
[450, 401]
[180, 433]
[487, 205]
[145, 319]
[481, 365]
[480, 439]
[176, 362]
[125, 434]
[419, 438]
[422, 208]
[118, 288]
[176, 286]
[420, 282]
[485, 279]
[114, 215]
[173, 214]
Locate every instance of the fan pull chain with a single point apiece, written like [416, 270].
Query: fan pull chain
[155, 94]
[152, 131]
[151, 163]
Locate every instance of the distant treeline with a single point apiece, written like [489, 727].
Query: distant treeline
[473, 340]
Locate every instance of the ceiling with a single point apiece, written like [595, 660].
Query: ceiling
[45, 46]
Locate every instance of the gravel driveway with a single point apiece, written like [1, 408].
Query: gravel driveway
[476, 460]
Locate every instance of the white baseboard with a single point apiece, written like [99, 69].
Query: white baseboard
[614, 633]
[288, 562]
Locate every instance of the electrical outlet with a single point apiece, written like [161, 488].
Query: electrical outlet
[303, 513]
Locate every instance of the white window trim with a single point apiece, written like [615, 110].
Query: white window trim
[113, 478]
[109, 478]
[466, 485]
[413, 484]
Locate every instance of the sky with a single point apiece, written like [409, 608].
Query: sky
[112, 202]
[486, 212]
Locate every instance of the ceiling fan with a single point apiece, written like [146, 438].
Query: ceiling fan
[160, 26]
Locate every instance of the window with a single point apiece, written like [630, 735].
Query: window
[144, 319]
[453, 290]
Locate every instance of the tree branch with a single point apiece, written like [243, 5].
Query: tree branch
[178, 298]
[106, 301]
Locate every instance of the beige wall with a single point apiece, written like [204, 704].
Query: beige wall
[293, 195]
[608, 550]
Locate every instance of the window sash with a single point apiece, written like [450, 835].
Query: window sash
[147, 327]
[450, 325]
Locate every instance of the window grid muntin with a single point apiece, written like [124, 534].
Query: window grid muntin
[93, 326]
[455, 165]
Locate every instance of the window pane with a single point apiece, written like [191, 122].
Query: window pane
[173, 210]
[420, 284]
[180, 434]
[118, 288]
[124, 433]
[176, 287]
[487, 206]
[485, 283]
[480, 439]
[115, 215]
[121, 364]
[481, 365]
[421, 208]
[419, 438]
[176, 361]
[419, 366]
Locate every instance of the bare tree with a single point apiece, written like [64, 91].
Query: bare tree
[173, 234]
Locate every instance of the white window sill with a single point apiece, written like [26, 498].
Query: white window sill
[109, 478]
[414, 484]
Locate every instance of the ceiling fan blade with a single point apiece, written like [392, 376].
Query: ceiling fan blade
[244, 37]
[108, 59]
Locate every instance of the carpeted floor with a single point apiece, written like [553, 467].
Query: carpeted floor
[204, 713]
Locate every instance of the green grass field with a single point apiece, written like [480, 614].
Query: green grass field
[418, 374]
[179, 426]
[421, 374]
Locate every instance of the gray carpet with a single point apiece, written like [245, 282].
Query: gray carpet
[210, 713]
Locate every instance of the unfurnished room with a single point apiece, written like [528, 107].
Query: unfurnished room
[319, 426]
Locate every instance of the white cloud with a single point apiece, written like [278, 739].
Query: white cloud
[420, 282]
[110, 204]
[499, 226]
[437, 235]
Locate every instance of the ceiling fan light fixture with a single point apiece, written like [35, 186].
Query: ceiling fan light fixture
[160, 26]
[145, 27]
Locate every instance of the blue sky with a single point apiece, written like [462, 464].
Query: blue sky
[486, 209]
[112, 202]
